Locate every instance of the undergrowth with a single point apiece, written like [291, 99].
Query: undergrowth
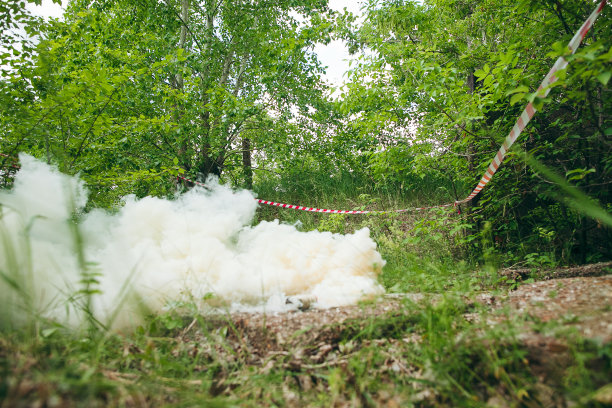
[424, 354]
[442, 349]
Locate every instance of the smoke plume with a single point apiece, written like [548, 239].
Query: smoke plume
[199, 248]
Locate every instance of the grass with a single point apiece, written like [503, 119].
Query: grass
[442, 350]
[424, 354]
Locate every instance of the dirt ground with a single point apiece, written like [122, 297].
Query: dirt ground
[579, 297]
[574, 300]
[311, 341]
[313, 344]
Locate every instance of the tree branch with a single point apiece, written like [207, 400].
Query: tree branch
[80, 149]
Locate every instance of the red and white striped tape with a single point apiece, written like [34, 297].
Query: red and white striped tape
[518, 127]
[323, 210]
[530, 110]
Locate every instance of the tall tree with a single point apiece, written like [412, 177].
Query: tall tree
[127, 88]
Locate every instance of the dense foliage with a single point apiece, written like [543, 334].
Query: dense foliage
[130, 94]
[463, 70]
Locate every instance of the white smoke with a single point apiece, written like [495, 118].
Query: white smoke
[155, 252]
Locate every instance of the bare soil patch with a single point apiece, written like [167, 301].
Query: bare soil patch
[597, 269]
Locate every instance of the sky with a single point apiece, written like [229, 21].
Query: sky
[46, 9]
[334, 56]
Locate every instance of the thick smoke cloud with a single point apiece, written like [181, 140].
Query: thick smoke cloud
[153, 253]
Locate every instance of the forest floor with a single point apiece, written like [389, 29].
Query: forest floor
[544, 342]
[581, 296]
[567, 303]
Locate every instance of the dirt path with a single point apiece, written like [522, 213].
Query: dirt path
[580, 297]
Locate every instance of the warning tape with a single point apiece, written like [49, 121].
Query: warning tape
[326, 211]
[518, 127]
[323, 210]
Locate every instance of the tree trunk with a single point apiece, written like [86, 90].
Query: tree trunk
[178, 83]
[246, 163]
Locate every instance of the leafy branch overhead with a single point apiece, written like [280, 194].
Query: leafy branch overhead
[156, 81]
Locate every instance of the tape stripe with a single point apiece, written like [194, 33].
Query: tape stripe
[601, 6]
[323, 210]
[584, 30]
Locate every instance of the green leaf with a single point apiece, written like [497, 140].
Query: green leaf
[46, 333]
[521, 88]
[479, 73]
[572, 196]
[538, 103]
[516, 98]
[578, 174]
[604, 77]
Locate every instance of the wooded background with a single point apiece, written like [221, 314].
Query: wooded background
[129, 94]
